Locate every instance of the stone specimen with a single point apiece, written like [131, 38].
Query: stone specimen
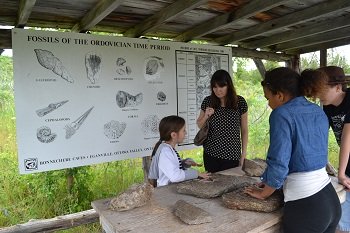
[215, 187]
[242, 201]
[190, 214]
[255, 167]
[135, 196]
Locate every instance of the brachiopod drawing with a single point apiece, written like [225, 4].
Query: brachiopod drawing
[74, 126]
[124, 99]
[45, 135]
[149, 125]
[43, 111]
[122, 68]
[49, 61]
[114, 129]
[93, 66]
[161, 96]
[153, 66]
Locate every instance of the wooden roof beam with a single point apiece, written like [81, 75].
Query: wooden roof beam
[96, 14]
[24, 11]
[312, 40]
[221, 21]
[5, 39]
[177, 8]
[310, 30]
[317, 47]
[292, 19]
[250, 53]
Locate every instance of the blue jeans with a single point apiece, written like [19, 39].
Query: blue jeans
[344, 223]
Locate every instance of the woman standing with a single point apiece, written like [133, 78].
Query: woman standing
[336, 100]
[297, 154]
[227, 113]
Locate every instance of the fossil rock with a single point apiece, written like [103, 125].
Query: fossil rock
[135, 196]
[49, 61]
[239, 200]
[190, 214]
[215, 187]
[255, 167]
[124, 99]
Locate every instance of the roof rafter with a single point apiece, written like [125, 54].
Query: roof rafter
[252, 53]
[312, 40]
[286, 21]
[249, 10]
[24, 11]
[177, 8]
[316, 47]
[310, 30]
[96, 14]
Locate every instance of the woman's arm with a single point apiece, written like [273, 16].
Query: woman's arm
[244, 137]
[203, 116]
[260, 193]
[344, 156]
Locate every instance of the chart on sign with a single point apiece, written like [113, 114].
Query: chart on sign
[193, 73]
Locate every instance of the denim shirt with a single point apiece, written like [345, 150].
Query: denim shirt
[298, 141]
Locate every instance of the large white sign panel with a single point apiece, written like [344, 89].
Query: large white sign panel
[86, 99]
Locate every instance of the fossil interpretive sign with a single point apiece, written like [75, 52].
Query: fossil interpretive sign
[85, 99]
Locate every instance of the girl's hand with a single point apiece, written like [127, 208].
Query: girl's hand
[205, 176]
[190, 162]
[254, 191]
[344, 180]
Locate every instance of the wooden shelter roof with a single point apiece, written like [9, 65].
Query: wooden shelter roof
[279, 27]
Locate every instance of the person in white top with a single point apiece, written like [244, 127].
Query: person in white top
[167, 166]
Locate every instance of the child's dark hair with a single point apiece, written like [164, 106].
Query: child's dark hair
[222, 78]
[168, 125]
[286, 80]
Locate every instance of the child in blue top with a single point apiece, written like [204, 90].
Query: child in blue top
[167, 166]
[297, 155]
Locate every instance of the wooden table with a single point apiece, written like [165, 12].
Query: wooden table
[157, 215]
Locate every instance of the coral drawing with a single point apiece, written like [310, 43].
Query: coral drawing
[161, 96]
[75, 125]
[93, 66]
[49, 61]
[45, 135]
[153, 66]
[122, 68]
[124, 99]
[149, 125]
[53, 106]
[114, 129]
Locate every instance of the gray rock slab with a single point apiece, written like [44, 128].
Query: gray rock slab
[215, 187]
[254, 167]
[191, 214]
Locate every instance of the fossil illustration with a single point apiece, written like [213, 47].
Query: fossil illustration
[153, 66]
[43, 111]
[114, 129]
[49, 61]
[122, 68]
[44, 134]
[74, 126]
[149, 125]
[124, 99]
[161, 96]
[93, 66]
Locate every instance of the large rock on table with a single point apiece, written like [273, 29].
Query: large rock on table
[255, 167]
[242, 201]
[135, 196]
[215, 187]
[191, 214]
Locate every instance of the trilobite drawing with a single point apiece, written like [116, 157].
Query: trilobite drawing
[49, 61]
[45, 135]
[122, 68]
[93, 66]
[149, 125]
[75, 125]
[114, 129]
[161, 96]
[124, 99]
[153, 66]
[51, 107]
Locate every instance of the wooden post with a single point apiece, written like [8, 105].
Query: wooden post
[323, 57]
[294, 63]
[260, 65]
[146, 163]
